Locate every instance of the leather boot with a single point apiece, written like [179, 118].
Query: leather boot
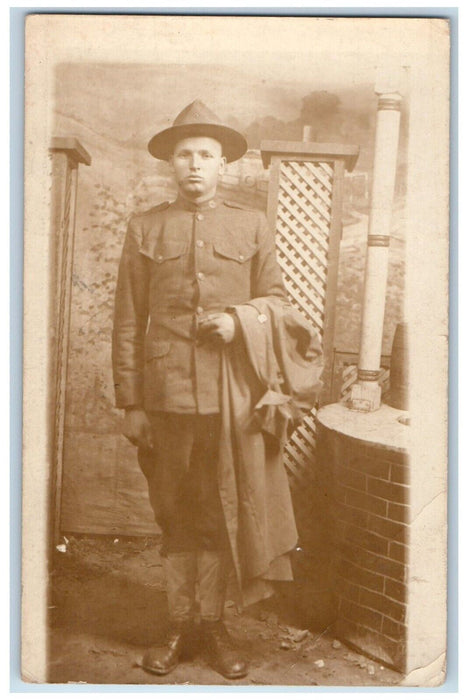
[180, 569]
[164, 659]
[223, 653]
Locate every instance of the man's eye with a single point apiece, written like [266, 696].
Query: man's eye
[207, 155]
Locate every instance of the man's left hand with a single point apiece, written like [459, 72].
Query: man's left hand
[218, 327]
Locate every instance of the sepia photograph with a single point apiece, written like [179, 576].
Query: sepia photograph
[236, 260]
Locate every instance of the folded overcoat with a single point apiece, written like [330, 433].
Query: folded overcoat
[270, 382]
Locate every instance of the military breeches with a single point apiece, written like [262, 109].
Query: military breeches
[181, 472]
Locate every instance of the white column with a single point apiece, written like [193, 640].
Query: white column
[366, 393]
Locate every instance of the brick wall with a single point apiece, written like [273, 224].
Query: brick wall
[370, 496]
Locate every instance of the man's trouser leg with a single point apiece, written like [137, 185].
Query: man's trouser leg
[180, 571]
[213, 572]
[184, 493]
[166, 469]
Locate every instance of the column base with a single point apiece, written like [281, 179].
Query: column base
[365, 397]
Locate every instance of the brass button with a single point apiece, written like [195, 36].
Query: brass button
[200, 275]
[200, 309]
[241, 257]
[200, 217]
[159, 258]
[200, 243]
[212, 204]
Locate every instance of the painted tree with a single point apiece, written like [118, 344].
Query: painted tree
[321, 110]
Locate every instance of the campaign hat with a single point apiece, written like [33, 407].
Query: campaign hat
[198, 120]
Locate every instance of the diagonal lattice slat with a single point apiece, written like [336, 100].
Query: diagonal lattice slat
[294, 200]
[303, 223]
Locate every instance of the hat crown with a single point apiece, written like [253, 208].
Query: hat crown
[198, 120]
[196, 113]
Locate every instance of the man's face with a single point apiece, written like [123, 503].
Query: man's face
[197, 163]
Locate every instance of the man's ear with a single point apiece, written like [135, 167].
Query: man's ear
[222, 165]
[170, 160]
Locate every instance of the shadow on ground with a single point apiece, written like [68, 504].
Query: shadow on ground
[107, 605]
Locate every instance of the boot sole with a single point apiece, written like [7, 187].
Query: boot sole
[231, 677]
[234, 677]
[159, 672]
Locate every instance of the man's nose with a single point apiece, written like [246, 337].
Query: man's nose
[195, 161]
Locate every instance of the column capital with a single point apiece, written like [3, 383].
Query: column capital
[388, 99]
[72, 148]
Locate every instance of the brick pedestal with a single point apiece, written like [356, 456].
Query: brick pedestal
[367, 455]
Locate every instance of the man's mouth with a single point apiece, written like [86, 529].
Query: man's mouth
[194, 178]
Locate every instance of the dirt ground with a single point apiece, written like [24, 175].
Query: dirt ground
[107, 605]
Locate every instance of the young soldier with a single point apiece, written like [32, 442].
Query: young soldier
[186, 267]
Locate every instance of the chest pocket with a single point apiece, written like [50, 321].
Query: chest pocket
[169, 250]
[240, 251]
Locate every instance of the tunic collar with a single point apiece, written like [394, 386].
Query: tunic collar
[193, 206]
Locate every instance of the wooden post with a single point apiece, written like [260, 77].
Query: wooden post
[366, 393]
[66, 154]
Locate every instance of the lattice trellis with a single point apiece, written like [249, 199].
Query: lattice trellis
[303, 229]
[303, 224]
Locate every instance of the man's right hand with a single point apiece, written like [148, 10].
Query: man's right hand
[137, 428]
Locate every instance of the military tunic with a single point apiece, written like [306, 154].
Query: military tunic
[180, 262]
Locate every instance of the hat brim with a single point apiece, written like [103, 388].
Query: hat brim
[233, 143]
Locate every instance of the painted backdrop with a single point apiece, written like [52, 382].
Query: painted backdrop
[114, 110]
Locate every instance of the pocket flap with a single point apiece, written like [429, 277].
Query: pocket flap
[160, 251]
[168, 250]
[240, 251]
[157, 348]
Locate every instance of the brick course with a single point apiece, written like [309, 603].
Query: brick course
[355, 516]
[399, 513]
[370, 467]
[390, 529]
[395, 590]
[361, 615]
[364, 501]
[399, 474]
[396, 493]
[347, 590]
[375, 563]
[393, 629]
[381, 603]
[366, 539]
[354, 479]
[355, 574]
[398, 552]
